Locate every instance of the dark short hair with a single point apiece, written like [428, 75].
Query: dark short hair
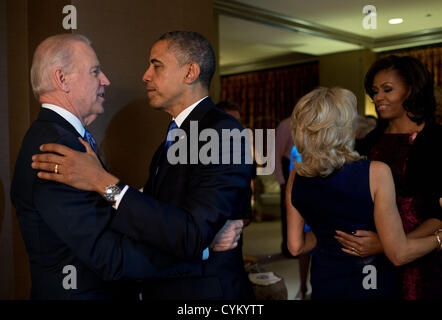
[190, 46]
[421, 102]
[228, 106]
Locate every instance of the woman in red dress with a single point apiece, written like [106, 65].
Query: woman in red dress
[410, 142]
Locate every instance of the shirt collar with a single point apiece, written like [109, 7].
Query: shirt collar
[69, 117]
[185, 113]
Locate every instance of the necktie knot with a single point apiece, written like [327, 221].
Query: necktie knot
[90, 139]
[169, 137]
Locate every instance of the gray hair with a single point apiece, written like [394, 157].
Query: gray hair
[191, 46]
[53, 52]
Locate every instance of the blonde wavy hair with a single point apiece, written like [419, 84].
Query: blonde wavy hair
[323, 130]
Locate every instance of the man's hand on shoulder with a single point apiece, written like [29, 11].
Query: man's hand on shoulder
[81, 170]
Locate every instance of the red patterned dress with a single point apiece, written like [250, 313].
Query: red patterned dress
[422, 278]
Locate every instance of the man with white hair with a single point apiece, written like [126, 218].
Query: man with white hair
[72, 252]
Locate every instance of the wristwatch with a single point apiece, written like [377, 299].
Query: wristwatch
[113, 190]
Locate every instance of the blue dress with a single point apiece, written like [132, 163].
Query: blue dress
[342, 201]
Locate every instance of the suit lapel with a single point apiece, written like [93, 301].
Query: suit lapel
[162, 165]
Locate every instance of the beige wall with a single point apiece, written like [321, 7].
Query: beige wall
[346, 70]
[128, 133]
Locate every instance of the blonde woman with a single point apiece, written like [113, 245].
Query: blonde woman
[334, 189]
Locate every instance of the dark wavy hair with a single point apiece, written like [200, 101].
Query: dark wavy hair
[420, 104]
[190, 46]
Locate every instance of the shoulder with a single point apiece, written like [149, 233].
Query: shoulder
[379, 167]
[381, 178]
[218, 119]
[51, 132]
[379, 172]
[46, 130]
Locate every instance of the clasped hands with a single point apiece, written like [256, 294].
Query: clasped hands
[361, 243]
[83, 170]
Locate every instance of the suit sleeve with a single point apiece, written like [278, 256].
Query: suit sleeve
[216, 192]
[81, 220]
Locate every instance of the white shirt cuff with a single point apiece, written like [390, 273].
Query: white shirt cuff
[120, 197]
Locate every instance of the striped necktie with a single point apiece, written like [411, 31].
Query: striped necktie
[89, 138]
[169, 140]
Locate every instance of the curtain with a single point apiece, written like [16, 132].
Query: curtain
[430, 57]
[267, 97]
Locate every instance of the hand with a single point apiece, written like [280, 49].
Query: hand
[81, 170]
[227, 238]
[362, 243]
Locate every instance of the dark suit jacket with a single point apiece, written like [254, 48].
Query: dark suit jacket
[64, 226]
[181, 210]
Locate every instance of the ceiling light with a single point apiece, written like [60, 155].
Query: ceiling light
[395, 21]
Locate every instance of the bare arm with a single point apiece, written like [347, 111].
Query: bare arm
[428, 227]
[298, 241]
[398, 248]
[367, 243]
